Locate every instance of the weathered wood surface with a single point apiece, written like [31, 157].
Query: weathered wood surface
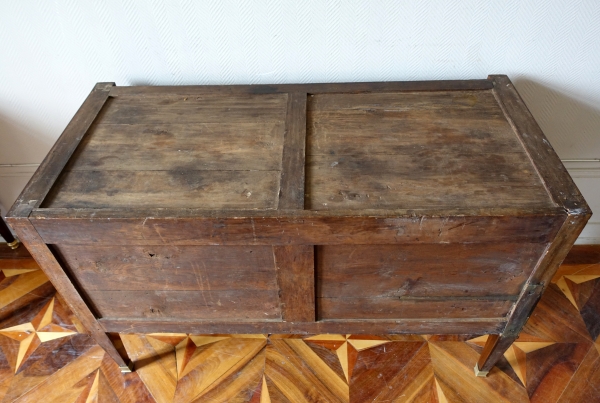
[176, 188]
[248, 304]
[394, 86]
[400, 326]
[425, 270]
[302, 230]
[401, 181]
[210, 108]
[216, 152]
[296, 280]
[180, 268]
[244, 146]
[372, 308]
[553, 173]
[291, 189]
[51, 167]
[398, 161]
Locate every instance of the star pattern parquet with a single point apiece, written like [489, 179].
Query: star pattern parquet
[45, 357]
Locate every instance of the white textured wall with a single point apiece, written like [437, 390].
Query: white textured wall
[51, 54]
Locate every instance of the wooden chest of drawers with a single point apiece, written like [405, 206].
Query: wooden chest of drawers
[402, 207]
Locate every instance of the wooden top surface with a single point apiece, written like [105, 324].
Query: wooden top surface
[441, 146]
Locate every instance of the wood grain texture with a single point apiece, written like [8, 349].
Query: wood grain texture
[299, 229]
[185, 305]
[201, 268]
[437, 85]
[253, 145]
[291, 189]
[31, 239]
[556, 179]
[424, 270]
[177, 188]
[181, 152]
[431, 164]
[370, 308]
[210, 108]
[296, 280]
[398, 326]
[49, 170]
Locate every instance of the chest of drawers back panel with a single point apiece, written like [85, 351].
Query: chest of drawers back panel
[408, 207]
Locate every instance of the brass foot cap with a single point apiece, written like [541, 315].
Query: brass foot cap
[14, 244]
[127, 369]
[482, 374]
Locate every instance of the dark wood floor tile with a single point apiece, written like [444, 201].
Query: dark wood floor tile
[550, 369]
[590, 312]
[585, 383]
[556, 319]
[380, 371]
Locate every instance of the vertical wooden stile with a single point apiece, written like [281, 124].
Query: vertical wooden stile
[295, 264]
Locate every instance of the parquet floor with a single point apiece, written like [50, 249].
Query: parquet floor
[44, 357]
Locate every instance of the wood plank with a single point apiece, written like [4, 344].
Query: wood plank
[557, 180]
[185, 213]
[475, 103]
[178, 188]
[346, 134]
[31, 239]
[291, 189]
[401, 181]
[425, 270]
[296, 280]
[433, 85]
[398, 326]
[210, 304]
[42, 180]
[299, 230]
[211, 108]
[177, 268]
[396, 308]
[176, 146]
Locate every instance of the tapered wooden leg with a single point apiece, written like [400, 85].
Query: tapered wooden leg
[125, 364]
[494, 348]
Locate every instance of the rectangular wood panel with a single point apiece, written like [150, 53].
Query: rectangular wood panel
[425, 270]
[177, 268]
[217, 152]
[436, 149]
